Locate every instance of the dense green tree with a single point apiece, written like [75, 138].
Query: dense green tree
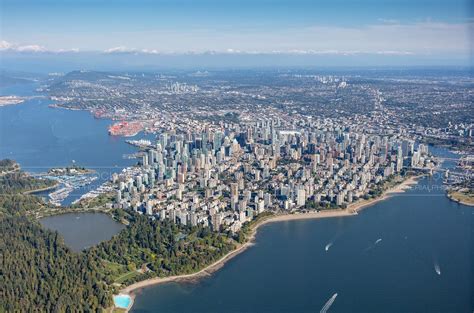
[166, 248]
[39, 273]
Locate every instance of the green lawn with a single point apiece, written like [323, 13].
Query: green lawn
[126, 276]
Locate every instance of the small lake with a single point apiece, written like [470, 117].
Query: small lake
[83, 230]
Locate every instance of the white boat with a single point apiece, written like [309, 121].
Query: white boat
[328, 246]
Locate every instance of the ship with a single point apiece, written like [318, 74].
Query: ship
[127, 129]
[142, 143]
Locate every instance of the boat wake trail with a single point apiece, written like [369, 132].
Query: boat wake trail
[328, 304]
[373, 245]
[437, 268]
[328, 246]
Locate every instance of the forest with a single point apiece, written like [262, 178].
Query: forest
[39, 273]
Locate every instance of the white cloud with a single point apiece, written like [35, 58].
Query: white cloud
[120, 49]
[390, 52]
[32, 48]
[230, 51]
[387, 37]
[124, 50]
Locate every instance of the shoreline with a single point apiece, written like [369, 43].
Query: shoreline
[351, 210]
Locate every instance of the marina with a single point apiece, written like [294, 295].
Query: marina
[67, 184]
[104, 188]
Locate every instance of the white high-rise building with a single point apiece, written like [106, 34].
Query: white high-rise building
[301, 197]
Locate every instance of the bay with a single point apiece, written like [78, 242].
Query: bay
[39, 137]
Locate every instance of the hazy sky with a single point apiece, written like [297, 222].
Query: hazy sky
[434, 28]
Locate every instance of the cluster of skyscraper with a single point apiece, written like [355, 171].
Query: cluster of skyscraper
[182, 88]
[224, 176]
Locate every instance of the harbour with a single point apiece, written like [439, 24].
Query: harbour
[40, 138]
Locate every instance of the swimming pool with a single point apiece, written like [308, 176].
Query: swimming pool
[122, 301]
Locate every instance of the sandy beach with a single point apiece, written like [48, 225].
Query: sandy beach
[351, 210]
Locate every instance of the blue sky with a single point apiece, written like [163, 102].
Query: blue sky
[435, 28]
